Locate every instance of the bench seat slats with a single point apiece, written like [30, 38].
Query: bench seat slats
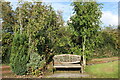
[67, 66]
[75, 62]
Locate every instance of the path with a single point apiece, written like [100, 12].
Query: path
[5, 71]
[67, 75]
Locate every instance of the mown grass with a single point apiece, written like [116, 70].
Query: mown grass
[104, 70]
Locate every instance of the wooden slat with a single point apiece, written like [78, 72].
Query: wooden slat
[68, 58]
[67, 66]
[71, 62]
[67, 55]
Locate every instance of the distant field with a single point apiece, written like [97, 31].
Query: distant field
[103, 70]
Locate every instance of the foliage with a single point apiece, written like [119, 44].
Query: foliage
[39, 23]
[109, 44]
[63, 41]
[19, 55]
[7, 15]
[6, 46]
[85, 24]
[35, 65]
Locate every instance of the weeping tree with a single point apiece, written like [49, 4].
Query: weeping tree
[85, 23]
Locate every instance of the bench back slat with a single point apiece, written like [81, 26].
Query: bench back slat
[68, 58]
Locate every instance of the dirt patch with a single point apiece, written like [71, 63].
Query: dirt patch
[105, 59]
[102, 60]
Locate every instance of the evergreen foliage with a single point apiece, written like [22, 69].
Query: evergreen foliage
[19, 56]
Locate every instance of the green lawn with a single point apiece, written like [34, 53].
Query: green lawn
[104, 70]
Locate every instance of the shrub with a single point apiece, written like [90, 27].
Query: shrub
[36, 63]
[19, 56]
[108, 46]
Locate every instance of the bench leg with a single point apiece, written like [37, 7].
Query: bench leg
[81, 70]
[53, 66]
[54, 70]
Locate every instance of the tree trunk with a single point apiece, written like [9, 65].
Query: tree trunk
[20, 21]
[84, 58]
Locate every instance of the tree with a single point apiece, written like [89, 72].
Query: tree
[85, 23]
[40, 24]
[8, 18]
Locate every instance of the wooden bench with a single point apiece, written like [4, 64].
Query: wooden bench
[67, 61]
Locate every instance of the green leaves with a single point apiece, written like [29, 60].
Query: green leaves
[86, 15]
[19, 56]
[8, 21]
[36, 62]
[40, 24]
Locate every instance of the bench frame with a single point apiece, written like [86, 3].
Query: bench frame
[79, 61]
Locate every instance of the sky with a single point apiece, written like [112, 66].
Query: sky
[109, 10]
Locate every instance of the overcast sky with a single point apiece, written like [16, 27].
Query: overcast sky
[109, 16]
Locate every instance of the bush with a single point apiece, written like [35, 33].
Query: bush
[108, 46]
[19, 56]
[36, 63]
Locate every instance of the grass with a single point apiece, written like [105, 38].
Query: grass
[104, 70]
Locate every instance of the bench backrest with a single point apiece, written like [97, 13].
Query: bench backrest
[67, 58]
